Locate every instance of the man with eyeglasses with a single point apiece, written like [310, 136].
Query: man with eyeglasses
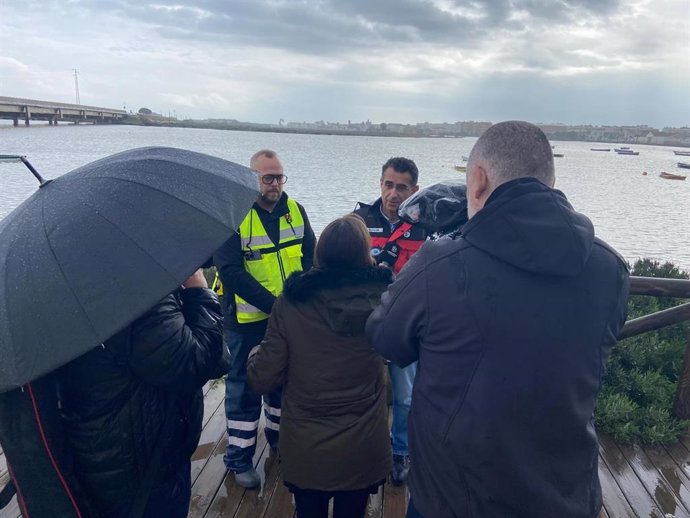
[274, 240]
[392, 243]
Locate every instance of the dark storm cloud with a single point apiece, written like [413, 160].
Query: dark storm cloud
[330, 26]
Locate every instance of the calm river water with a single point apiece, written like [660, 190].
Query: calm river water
[642, 216]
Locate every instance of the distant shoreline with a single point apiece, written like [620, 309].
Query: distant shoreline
[375, 131]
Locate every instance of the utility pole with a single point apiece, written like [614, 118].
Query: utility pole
[76, 85]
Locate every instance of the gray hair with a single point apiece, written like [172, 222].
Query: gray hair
[515, 149]
[268, 153]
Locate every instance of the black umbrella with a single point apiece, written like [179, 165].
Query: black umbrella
[92, 250]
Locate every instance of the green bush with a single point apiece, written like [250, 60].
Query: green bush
[642, 374]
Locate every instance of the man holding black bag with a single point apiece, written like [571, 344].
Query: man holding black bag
[393, 242]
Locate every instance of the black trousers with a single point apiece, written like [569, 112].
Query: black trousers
[311, 503]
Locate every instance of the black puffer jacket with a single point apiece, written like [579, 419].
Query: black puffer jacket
[115, 398]
[512, 324]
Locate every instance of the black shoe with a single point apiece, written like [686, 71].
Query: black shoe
[401, 467]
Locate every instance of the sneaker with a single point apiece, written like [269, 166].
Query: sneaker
[401, 467]
[249, 479]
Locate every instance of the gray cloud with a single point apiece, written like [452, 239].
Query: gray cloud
[320, 27]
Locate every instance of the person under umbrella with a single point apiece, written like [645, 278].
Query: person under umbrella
[102, 245]
[133, 408]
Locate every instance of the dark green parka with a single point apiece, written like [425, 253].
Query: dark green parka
[334, 431]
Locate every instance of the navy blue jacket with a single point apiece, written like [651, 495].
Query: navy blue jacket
[512, 323]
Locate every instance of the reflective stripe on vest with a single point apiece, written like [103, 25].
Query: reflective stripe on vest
[268, 263]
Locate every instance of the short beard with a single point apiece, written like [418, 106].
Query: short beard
[267, 201]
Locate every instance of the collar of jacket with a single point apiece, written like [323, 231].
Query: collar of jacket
[278, 211]
[532, 227]
[301, 286]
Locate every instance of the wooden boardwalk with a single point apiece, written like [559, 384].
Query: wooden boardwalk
[636, 482]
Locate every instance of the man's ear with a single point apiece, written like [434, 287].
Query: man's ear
[415, 188]
[480, 184]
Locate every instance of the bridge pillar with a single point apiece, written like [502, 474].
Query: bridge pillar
[27, 115]
[15, 121]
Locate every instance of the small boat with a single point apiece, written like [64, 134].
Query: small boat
[682, 153]
[461, 168]
[464, 158]
[558, 155]
[600, 149]
[627, 152]
[622, 148]
[684, 165]
[671, 176]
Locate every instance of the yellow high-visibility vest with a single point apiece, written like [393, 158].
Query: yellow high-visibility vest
[268, 263]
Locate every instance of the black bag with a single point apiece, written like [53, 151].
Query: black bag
[36, 449]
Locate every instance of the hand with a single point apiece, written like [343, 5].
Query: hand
[196, 280]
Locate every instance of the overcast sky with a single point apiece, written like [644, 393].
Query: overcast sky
[572, 61]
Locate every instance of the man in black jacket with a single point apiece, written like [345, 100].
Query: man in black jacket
[133, 408]
[512, 323]
[274, 240]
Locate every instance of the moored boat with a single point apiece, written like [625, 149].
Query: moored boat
[684, 165]
[558, 155]
[600, 149]
[461, 168]
[682, 153]
[626, 152]
[671, 176]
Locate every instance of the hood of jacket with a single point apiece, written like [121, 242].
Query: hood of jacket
[532, 227]
[343, 297]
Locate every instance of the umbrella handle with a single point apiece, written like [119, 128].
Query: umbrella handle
[33, 171]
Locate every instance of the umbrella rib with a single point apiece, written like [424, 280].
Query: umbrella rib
[154, 190]
[50, 246]
[119, 229]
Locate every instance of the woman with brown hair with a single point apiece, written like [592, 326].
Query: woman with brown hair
[334, 439]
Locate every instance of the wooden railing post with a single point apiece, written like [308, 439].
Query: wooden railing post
[681, 404]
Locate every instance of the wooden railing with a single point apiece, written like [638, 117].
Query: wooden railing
[660, 287]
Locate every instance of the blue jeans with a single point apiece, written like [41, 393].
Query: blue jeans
[243, 405]
[169, 499]
[402, 380]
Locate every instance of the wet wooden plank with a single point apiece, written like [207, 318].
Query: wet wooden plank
[668, 497]
[681, 457]
[395, 499]
[629, 483]
[211, 435]
[215, 486]
[11, 510]
[671, 473]
[282, 504]
[212, 398]
[615, 503]
[254, 503]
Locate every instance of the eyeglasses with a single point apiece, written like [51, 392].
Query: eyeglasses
[268, 179]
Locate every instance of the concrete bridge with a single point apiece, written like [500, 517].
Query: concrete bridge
[29, 109]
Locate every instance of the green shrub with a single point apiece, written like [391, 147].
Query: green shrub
[642, 374]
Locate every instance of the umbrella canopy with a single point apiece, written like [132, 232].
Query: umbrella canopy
[95, 248]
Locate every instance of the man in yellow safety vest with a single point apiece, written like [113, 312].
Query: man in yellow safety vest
[274, 240]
